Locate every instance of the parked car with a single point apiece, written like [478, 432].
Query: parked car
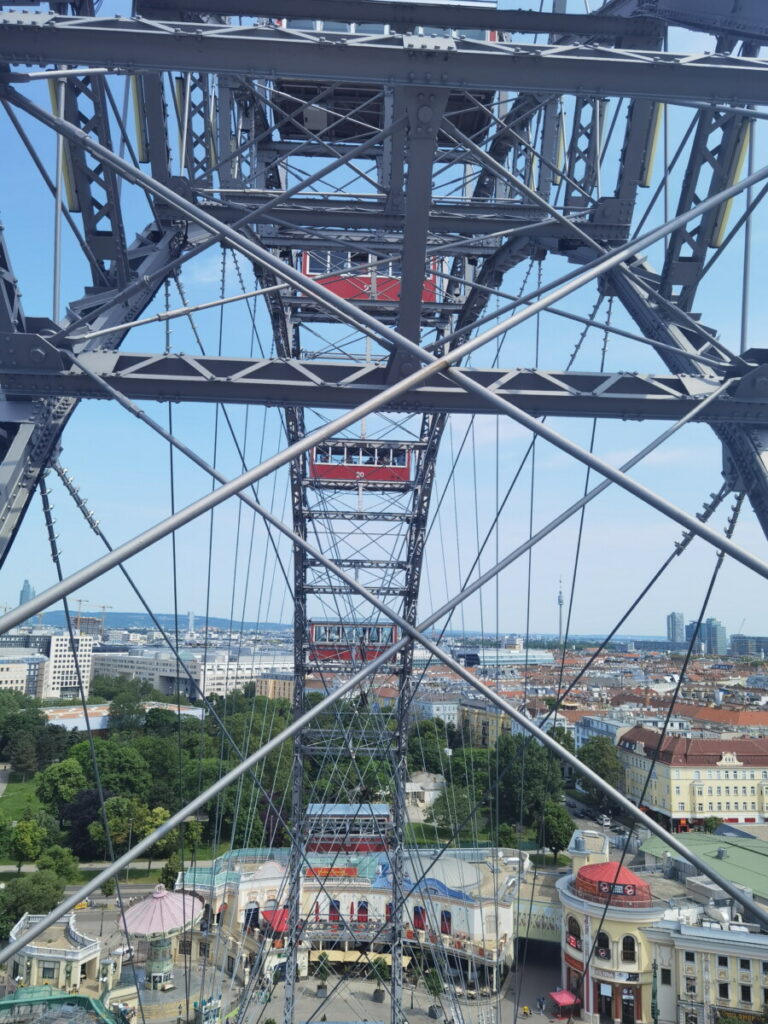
[604, 820]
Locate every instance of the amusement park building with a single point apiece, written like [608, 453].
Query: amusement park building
[460, 906]
[628, 936]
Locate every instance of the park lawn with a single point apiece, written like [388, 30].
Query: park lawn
[419, 834]
[16, 798]
[544, 860]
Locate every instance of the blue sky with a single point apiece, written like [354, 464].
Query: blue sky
[123, 469]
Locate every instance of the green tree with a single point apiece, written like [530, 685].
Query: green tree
[564, 737]
[711, 824]
[59, 784]
[529, 776]
[322, 970]
[126, 713]
[601, 756]
[380, 971]
[469, 767]
[26, 842]
[127, 819]
[109, 887]
[36, 893]
[154, 819]
[123, 771]
[427, 742]
[53, 744]
[433, 983]
[507, 836]
[454, 808]
[558, 828]
[22, 754]
[170, 870]
[61, 861]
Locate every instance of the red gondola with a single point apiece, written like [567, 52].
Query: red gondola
[349, 641]
[348, 463]
[360, 277]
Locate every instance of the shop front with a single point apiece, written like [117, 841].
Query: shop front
[617, 998]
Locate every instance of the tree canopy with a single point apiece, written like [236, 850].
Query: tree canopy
[600, 754]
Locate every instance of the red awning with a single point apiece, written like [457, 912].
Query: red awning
[564, 998]
[276, 919]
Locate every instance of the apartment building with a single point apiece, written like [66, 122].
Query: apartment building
[214, 676]
[693, 779]
[69, 666]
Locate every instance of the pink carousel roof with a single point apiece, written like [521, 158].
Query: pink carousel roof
[163, 913]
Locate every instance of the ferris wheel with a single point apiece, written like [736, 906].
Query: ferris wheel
[358, 292]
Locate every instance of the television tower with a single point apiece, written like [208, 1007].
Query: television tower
[560, 612]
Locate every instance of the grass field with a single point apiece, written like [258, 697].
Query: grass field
[16, 798]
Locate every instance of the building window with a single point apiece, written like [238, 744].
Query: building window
[722, 961]
[628, 950]
[573, 933]
[690, 956]
[185, 947]
[603, 948]
[204, 950]
[230, 965]
[746, 993]
[745, 965]
[723, 990]
[49, 969]
[666, 976]
[691, 1017]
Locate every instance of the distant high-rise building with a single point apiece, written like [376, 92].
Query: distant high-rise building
[676, 627]
[714, 636]
[27, 592]
[744, 646]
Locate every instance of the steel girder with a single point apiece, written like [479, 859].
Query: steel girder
[452, 64]
[406, 16]
[38, 370]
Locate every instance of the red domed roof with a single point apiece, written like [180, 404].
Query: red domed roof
[601, 882]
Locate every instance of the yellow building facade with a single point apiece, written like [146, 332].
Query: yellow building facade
[483, 724]
[614, 985]
[694, 779]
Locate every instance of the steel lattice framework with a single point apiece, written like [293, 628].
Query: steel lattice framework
[267, 112]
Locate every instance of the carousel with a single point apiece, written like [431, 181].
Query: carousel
[158, 918]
